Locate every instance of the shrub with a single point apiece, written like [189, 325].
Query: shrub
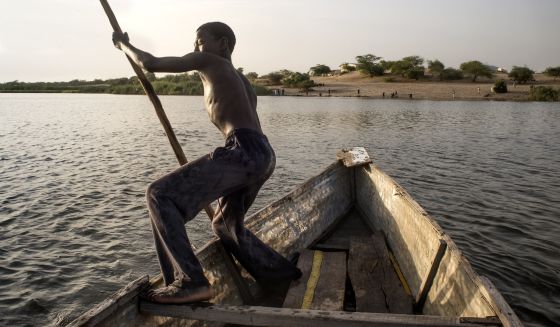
[346, 67]
[274, 78]
[475, 69]
[388, 79]
[521, 74]
[553, 72]
[414, 73]
[449, 74]
[436, 67]
[320, 69]
[543, 93]
[368, 65]
[500, 86]
[298, 80]
[261, 90]
[409, 67]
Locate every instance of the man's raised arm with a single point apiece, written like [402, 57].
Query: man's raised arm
[188, 62]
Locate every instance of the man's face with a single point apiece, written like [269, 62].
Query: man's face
[206, 42]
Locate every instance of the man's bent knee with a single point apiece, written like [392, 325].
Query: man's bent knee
[154, 192]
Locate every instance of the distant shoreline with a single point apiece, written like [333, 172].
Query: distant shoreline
[356, 85]
[347, 85]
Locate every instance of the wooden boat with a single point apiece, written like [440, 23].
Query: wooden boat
[370, 256]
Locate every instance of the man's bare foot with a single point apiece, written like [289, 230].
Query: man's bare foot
[176, 295]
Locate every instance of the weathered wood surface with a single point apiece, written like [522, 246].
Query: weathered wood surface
[329, 294]
[426, 285]
[413, 238]
[376, 285]
[267, 316]
[322, 286]
[352, 225]
[295, 221]
[458, 290]
[366, 274]
[499, 304]
[294, 296]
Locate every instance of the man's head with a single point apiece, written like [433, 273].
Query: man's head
[215, 37]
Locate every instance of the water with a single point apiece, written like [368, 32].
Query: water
[73, 170]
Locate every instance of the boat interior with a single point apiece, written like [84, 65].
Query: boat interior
[349, 268]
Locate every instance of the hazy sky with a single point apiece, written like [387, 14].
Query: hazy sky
[60, 40]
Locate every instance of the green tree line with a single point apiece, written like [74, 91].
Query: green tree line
[412, 67]
[177, 84]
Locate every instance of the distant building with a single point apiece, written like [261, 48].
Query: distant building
[501, 70]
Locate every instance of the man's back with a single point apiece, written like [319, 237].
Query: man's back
[229, 97]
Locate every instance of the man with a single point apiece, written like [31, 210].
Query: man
[232, 174]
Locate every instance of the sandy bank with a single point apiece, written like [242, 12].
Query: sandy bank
[348, 85]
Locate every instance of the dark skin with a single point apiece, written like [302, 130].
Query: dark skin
[230, 99]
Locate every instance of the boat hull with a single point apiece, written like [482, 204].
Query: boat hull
[440, 279]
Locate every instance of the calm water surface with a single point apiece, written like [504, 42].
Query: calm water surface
[73, 170]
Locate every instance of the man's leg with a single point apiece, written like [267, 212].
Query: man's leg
[267, 266]
[172, 201]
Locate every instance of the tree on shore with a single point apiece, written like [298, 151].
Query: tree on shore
[476, 69]
[252, 76]
[436, 67]
[298, 80]
[275, 78]
[409, 67]
[386, 64]
[368, 65]
[449, 74]
[553, 72]
[319, 70]
[521, 75]
[347, 67]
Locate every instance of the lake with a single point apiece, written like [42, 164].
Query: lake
[74, 169]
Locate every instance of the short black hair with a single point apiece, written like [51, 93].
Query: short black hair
[219, 30]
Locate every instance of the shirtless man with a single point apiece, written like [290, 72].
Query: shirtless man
[232, 174]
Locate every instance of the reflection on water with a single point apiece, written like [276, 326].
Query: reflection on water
[73, 170]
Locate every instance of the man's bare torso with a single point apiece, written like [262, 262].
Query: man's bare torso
[229, 97]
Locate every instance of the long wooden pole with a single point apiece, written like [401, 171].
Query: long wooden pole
[149, 89]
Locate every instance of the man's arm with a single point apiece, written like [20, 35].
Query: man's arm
[188, 62]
